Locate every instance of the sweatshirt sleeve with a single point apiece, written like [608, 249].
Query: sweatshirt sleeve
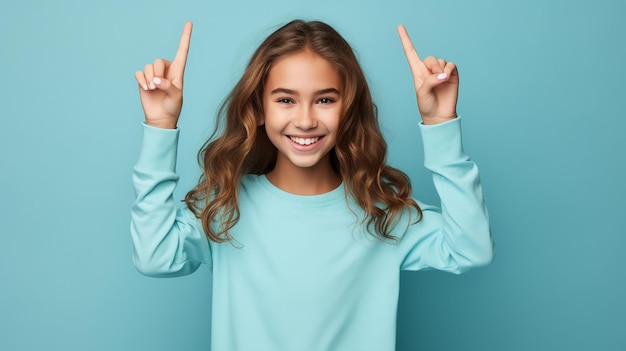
[455, 237]
[168, 240]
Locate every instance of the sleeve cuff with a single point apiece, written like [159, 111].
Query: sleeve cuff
[159, 148]
[442, 143]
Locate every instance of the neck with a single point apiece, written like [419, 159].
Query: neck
[315, 180]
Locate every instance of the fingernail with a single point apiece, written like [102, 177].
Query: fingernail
[144, 86]
[156, 80]
[442, 76]
[152, 86]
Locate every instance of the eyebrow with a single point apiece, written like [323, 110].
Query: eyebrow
[293, 92]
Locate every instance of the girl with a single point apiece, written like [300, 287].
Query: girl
[304, 226]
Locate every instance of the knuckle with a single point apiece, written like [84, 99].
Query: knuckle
[431, 60]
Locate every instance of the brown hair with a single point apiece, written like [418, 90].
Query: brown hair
[243, 147]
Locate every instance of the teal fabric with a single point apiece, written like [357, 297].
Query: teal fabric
[303, 273]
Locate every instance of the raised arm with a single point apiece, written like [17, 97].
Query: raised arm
[161, 85]
[168, 241]
[455, 237]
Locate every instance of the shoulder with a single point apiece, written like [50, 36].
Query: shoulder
[251, 181]
[252, 186]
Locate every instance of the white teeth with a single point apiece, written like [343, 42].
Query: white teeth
[304, 141]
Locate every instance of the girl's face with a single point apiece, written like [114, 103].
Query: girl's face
[302, 105]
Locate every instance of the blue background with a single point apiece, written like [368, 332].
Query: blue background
[542, 91]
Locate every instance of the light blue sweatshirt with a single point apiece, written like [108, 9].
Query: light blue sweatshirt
[306, 276]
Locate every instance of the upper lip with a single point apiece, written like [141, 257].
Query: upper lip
[304, 136]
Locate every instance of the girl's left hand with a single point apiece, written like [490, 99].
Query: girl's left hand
[436, 83]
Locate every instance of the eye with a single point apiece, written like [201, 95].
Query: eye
[284, 101]
[325, 100]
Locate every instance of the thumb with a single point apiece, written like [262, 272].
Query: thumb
[432, 81]
[166, 86]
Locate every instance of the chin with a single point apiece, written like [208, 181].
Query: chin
[305, 164]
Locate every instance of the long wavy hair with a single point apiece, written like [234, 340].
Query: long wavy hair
[242, 147]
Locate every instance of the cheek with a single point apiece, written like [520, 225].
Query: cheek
[275, 123]
[332, 118]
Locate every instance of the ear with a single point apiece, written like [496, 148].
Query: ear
[261, 120]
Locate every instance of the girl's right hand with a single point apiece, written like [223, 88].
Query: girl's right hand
[161, 86]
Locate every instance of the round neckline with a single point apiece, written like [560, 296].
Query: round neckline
[324, 199]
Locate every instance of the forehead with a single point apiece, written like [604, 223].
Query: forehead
[303, 71]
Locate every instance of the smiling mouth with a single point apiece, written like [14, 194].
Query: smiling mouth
[304, 141]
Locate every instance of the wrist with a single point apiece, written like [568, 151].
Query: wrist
[161, 124]
[437, 120]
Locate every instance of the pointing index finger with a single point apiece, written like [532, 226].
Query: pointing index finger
[183, 45]
[409, 49]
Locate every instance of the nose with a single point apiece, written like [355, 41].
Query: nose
[305, 119]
